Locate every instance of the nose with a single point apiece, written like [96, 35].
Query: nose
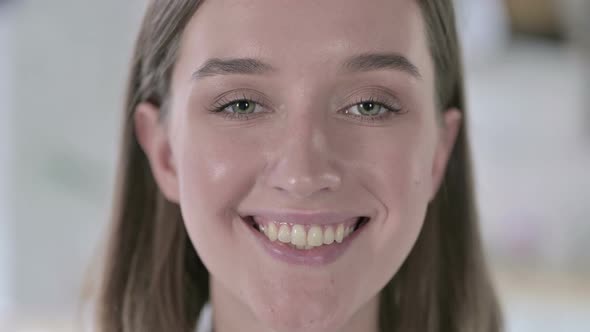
[304, 165]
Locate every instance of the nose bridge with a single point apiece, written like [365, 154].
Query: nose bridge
[304, 161]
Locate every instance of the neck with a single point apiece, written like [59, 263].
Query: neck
[230, 314]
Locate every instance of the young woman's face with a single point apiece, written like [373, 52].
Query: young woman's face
[288, 119]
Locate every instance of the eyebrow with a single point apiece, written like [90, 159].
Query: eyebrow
[378, 61]
[358, 63]
[217, 66]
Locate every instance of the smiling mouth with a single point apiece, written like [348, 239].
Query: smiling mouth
[306, 236]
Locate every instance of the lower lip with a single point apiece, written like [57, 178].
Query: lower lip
[317, 256]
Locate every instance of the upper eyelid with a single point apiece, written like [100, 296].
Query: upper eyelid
[242, 94]
[376, 94]
[393, 105]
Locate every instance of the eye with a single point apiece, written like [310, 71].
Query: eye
[243, 106]
[239, 108]
[372, 110]
[368, 108]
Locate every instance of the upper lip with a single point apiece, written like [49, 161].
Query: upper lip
[305, 217]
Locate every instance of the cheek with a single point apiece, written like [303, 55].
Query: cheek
[215, 171]
[399, 178]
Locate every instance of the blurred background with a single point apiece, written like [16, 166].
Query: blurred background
[63, 65]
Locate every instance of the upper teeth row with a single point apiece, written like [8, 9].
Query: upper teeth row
[302, 239]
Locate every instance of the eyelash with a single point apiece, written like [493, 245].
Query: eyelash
[223, 103]
[391, 109]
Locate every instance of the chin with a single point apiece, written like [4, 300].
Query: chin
[288, 322]
[301, 315]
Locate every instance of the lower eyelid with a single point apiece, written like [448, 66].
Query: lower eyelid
[391, 108]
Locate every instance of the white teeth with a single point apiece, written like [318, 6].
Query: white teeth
[314, 236]
[271, 232]
[339, 236]
[347, 231]
[285, 234]
[298, 235]
[329, 235]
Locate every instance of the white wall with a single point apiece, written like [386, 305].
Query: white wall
[6, 244]
[70, 67]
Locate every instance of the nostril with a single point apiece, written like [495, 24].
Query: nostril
[303, 184]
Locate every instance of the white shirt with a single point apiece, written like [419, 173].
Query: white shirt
[205, 321]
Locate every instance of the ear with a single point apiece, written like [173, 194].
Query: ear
[154, 140]
[451, 123]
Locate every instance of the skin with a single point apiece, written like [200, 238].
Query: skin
[301, 152]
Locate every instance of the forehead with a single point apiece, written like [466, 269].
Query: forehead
[306, 35]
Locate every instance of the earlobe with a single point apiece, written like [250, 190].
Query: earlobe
[153, 139]
[448, 135]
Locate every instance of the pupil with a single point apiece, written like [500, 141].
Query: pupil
[243, 105]
[368, 106]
